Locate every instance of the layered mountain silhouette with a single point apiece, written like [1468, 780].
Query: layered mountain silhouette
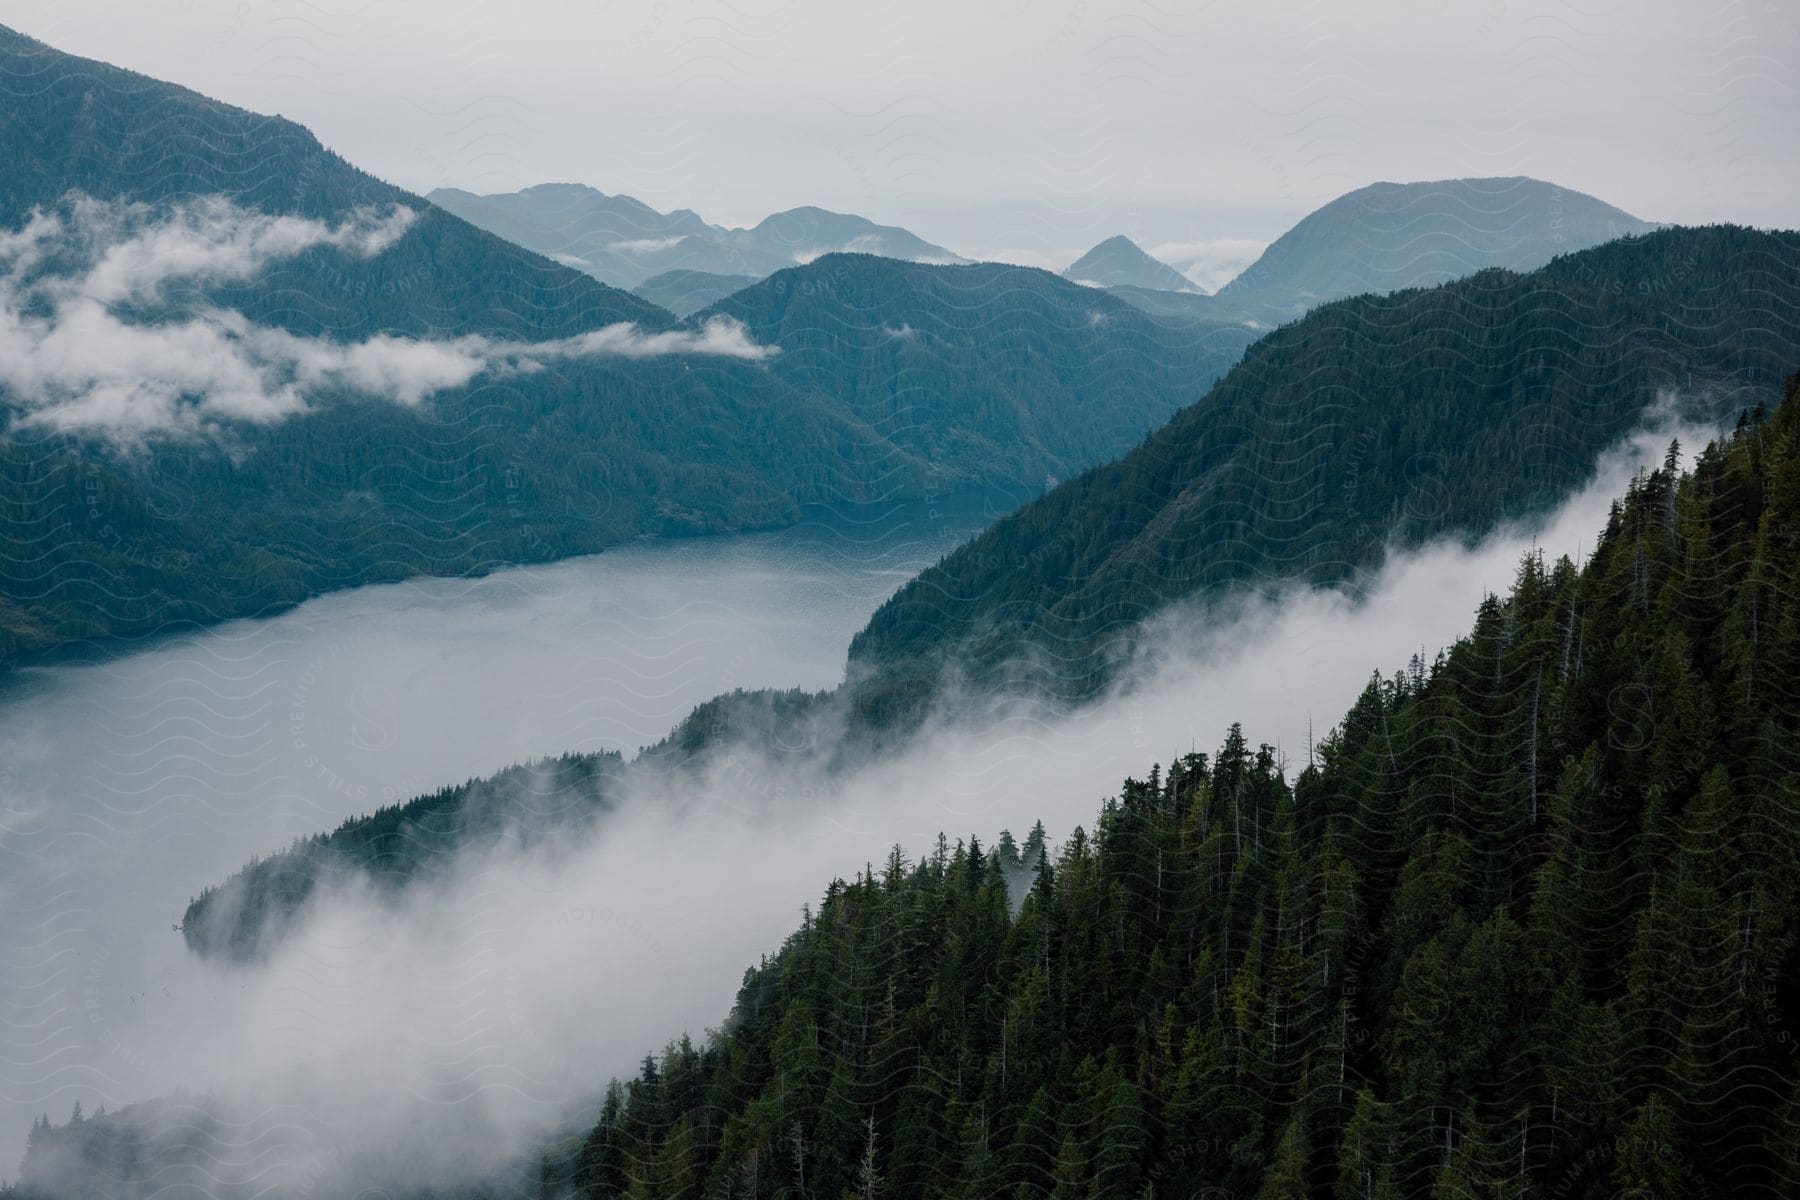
[1120, 262]
[625, 242]
[1386, 237]
[417, 395]
[1382, 238]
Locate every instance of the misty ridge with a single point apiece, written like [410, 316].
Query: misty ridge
[510, 689]
[752, 756]
[86, 369]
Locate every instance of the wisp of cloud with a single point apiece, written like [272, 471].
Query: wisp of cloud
[73, 360]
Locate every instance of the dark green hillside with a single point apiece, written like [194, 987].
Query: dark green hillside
[416, 842]
[73, 124]
[1528, 927]
[106, 545]
[1373, 422]
[1006, 367]
[522, 806]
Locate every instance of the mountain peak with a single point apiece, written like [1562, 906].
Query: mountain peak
[1388, 236]
[1120, 262]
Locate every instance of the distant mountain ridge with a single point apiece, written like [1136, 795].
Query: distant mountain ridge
[624, 242]
[71, 124]
[1388, 237]
[1002, 365]
[443, 401]
[1121, 262]
[1391, 236]
[685, 293]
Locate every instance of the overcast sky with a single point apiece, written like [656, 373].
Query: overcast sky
[1006, 128]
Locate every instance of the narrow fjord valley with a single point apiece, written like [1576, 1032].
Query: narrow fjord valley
[461, 404]
[508, 689]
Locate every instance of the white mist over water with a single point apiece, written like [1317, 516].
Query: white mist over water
[127, 785]
[480, 1011]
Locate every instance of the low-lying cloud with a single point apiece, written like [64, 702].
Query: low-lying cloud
[1210, 264]
[643, 245]
[78, 355]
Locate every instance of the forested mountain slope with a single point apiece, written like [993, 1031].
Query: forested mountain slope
[1372, 422]
[1005, 367]
[1527, 926]
[73, 124]
[236, 372]
[1376, 422]
[245, 916]
[521, 805]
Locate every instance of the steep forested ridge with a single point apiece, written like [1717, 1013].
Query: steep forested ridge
[514, 466]
[1526, 925]
[73, 124]
[523, 805]
[416, 841]
[1373, 422]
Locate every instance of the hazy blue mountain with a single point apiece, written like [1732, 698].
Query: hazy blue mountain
[1390, 236]
[687, 292]
[803, 234]
[1190, 306]
[1120, 262]
[625, 242]
[578, 226]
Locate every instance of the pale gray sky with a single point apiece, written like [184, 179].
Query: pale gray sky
[1002, 128]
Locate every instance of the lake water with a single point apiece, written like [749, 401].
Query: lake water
[129, 783]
